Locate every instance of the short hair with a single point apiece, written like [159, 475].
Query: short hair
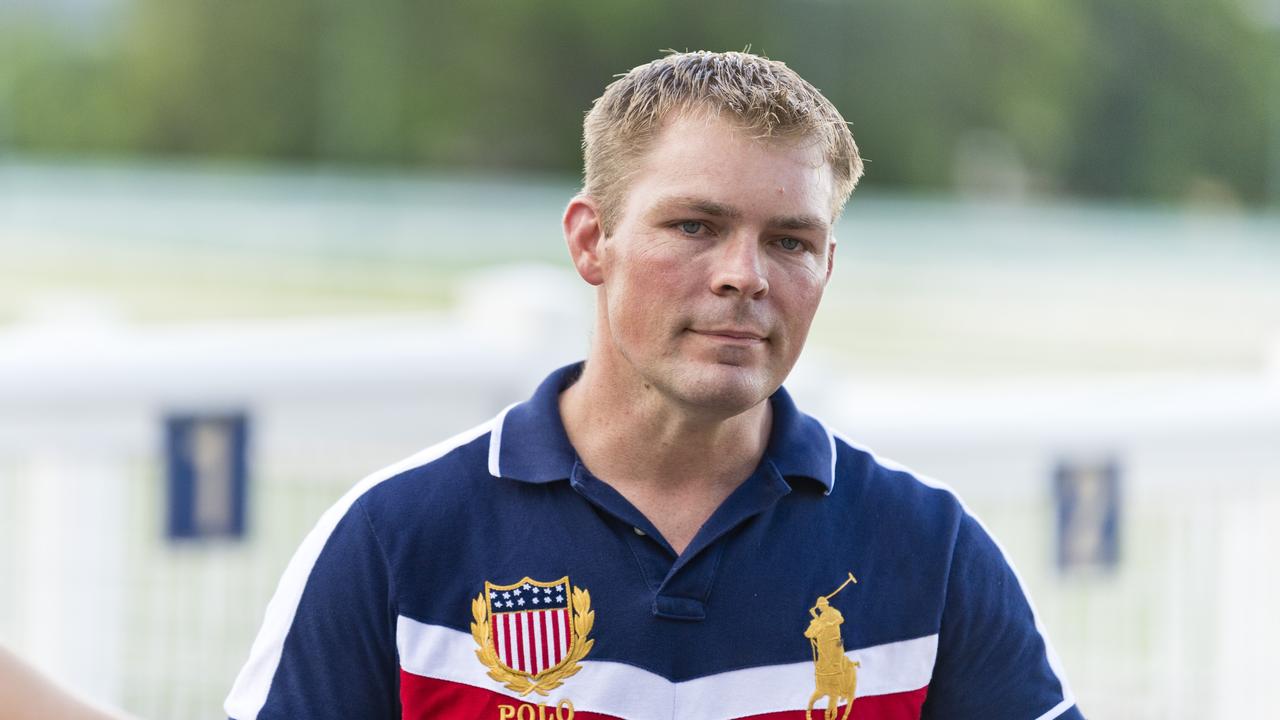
[767, 98]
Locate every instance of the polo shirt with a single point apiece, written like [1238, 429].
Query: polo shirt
[493, 576]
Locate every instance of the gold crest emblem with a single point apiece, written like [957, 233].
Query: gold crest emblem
[532, 635]
[835, 675]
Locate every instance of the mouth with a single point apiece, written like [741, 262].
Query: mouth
[734, 336]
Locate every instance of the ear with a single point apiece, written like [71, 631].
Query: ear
[585, 236]
[831, 259]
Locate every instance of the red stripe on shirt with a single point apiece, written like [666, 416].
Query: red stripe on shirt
[543, 649]
[555, 635]
[509, 630]
[425, 698]
[543, 618]
[521, 641]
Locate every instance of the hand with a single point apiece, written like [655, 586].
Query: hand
[26, 694]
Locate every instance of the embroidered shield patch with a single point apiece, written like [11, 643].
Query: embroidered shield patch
[531, 634]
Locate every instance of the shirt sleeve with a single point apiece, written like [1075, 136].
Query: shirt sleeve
[993, 661]
[327, 646]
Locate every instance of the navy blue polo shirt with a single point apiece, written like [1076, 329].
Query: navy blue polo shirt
[493, 576]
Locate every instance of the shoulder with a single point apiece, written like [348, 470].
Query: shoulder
[993, 659]
[869, 484]
[450, 471]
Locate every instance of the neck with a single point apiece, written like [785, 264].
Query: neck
[637, 439]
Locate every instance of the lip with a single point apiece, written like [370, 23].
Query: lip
[731, 335]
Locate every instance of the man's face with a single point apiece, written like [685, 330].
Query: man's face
[717, 263]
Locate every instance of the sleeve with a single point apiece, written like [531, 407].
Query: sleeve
[327, 646]
[993, 660]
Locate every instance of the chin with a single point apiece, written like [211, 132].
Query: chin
[723, 389]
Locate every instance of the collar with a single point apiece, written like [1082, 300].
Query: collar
[529, 443]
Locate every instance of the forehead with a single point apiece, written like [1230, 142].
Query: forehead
[707, 157]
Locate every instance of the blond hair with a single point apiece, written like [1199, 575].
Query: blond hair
[765, 97]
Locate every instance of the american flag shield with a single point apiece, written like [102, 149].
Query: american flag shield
[530, 624]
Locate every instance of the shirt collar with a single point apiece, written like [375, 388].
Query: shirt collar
[529, 443]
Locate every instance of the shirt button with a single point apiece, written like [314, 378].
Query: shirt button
[638, 531]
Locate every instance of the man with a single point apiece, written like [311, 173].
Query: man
[644, 537]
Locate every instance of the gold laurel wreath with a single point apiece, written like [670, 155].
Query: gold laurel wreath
[583, 619]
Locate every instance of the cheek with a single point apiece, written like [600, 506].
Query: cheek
[646, 291]
[799, 298]
[656, 276]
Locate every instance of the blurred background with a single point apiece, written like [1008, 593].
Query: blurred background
[253, 251]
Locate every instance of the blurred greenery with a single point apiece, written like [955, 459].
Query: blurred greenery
[1163, 99]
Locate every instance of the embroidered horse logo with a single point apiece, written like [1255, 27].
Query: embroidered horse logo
[835, 675]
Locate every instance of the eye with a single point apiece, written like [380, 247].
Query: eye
[790, 244]
[690, 227]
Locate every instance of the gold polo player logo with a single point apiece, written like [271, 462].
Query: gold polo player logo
[835, 675]
[532, 635]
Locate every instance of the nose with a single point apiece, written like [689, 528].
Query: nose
[740, 270]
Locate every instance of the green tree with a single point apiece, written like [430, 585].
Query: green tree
[1140, 98]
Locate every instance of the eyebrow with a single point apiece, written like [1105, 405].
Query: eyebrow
[716, 209]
